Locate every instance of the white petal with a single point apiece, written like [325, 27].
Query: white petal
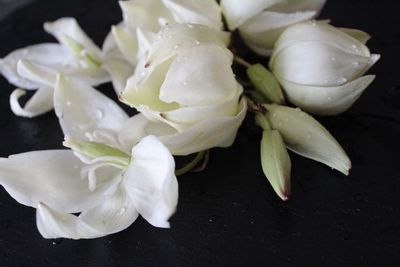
[171, 39]
[55, 224]
[38, 73]
[52, 177]
[113, 215]
[143, 89]
[326, 100]
[307, 137]
[151, 182]
[138, 126]
[48, 54]
[213, 132]
[263, 30]
[205, 12]
[200, 75]
[47, 75]
[127, 42]
[319, 32]
[319, 64]
[149, 15]
[185, 117]
[361, 36]
[82, 110]
[40, 103]
[69, 28]
[120, 71]
[290, 6]
[236, 13]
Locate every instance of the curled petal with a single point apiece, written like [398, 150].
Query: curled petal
[52, 177]
[114, 214]
[307, 137]
[214, 132]
[40, 103]
[48, 54]
[151, 182]
[326, 100]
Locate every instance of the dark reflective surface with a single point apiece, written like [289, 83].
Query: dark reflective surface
[229, 215]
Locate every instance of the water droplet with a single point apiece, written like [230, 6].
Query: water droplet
[68, 103]
[356, 64]
[121, 211]
[341, 80]
[185, 83]
[98, 114]
[212, 219]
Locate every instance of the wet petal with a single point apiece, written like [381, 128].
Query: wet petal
[82, 111]
[52, 177]
[198, 76]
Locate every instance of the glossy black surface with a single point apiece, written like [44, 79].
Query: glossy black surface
[228, 215]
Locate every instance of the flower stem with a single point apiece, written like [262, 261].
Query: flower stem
[255, 107]
[191, 165]
[242, 61]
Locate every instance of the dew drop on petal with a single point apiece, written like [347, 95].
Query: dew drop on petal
[98, 114]
[121, 211]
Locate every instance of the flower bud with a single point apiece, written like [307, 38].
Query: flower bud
[307, 137]
[265, 83]
[321, 68]
[276, 163]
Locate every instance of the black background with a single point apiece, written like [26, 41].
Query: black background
[228, 215]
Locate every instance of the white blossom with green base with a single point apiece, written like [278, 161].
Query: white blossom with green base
[186, 84]
[106, 182]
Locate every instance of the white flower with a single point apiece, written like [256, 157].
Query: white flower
[260, 22]
[186, 82]
[76, 56]
[109, 185]
[321, 68]
[144, 18]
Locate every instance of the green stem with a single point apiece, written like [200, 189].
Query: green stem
[191, 165]
[242, 61]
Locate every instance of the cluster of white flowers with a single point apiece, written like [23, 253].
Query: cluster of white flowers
[170, 60]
